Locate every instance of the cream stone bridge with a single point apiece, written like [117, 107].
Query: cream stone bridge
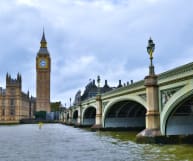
[159, 105]
[169, 108]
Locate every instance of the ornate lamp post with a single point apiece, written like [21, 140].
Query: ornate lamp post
[70, 101]
[98, 117]
[98, 81]
[150, 50]
[152, 124]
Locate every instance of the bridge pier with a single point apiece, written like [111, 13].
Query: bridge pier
[69, 121]
[98, 120]
[152, 132]
[64, 117]
[78, 124]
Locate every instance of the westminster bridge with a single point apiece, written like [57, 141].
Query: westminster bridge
[160, 105]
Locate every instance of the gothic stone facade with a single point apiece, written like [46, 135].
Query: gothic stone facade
[15, 104]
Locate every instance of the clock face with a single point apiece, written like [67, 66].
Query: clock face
[42, 63]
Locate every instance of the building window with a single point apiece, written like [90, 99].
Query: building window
[12, 91]
[12, 107]
[3, 111]
[3, 107]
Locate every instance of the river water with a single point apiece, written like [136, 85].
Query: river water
[56, 142]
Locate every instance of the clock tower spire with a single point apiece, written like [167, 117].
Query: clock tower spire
[43, 41]
[43, 69]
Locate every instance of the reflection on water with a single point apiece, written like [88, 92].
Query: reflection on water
[55, 142]
[121, 136]
[150, 151]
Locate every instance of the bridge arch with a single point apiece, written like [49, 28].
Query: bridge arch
[67, 116]
[177, 115]
[75, 117]
[89, 115]
[125, 113]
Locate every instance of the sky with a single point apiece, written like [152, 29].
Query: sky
[87, 38]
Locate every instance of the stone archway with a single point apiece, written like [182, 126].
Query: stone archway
[180, 119]
[67, 118]
[75, 117]
[89, 116]
[125, 114]
[171, 106]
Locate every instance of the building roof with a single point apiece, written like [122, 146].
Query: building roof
[43, 46]
[91, 90]
[43, 38]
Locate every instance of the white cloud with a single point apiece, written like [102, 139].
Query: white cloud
[152, 1]
[27, 2]
[77, 65]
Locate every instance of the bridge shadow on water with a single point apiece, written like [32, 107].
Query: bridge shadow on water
[125, 140]
[121, 135]
[159, 152]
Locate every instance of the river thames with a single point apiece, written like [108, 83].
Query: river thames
[56, 142]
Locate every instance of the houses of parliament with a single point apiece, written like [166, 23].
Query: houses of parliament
[15, 104]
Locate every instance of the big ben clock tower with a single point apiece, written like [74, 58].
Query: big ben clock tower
[43, 69]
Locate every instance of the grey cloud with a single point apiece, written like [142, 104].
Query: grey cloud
[113, 33]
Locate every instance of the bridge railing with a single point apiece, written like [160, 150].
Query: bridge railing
[185, 69]
[134, 85]
[176, 71]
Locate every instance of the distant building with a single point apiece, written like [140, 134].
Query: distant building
[90, 91]
[15, 104]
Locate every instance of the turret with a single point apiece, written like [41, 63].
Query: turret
[120, 85]
[106, 84]
[10, 82]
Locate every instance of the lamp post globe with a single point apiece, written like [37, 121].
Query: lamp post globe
[98, 82]
[150, 49]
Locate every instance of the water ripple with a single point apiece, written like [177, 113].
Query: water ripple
[55, 142]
